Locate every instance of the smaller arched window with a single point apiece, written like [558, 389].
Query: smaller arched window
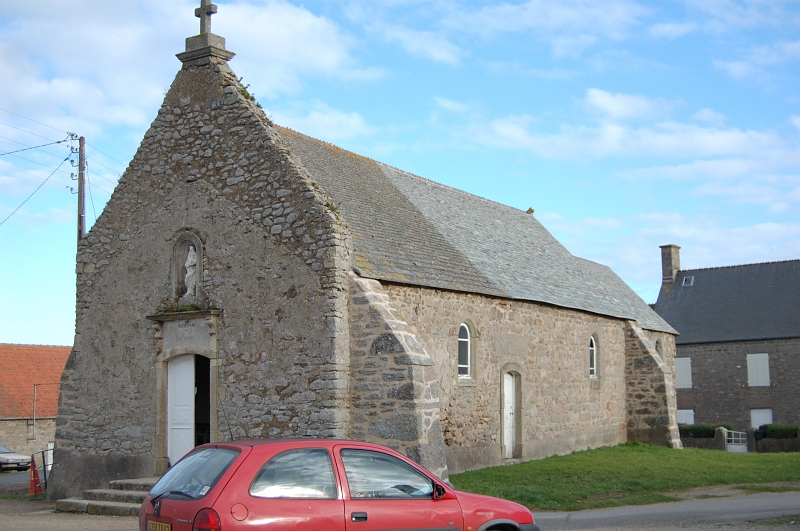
[464, 352]
[592, 358]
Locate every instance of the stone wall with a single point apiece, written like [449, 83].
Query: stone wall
[720, 393]
[17, 435]
[394, 388]
[274, 262]
[650, 383]
[563, 409]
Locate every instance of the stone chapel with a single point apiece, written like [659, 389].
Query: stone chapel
[248, 281]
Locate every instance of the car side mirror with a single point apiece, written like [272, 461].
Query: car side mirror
[438, 492]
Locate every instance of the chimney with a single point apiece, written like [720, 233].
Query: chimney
[670, 263]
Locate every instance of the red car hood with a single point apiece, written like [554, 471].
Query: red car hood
[479, 508]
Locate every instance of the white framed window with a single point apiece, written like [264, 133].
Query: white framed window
[686, 416]
[758, 370]
[759, 417]
[683, 373]
[592, 358]
[464, 352]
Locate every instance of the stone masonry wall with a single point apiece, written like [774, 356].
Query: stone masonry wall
[650, 387]
[16, 435]
[275, 261]
[720, 393]
[394, 387]
[563, 409]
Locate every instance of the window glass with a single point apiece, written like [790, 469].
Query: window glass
[463, 352]
[592, 358]
[304, 473]
[196, 474]
[377, 475]
[683, 373]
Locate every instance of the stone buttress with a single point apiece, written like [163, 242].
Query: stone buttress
[650, 392]
[394, 389]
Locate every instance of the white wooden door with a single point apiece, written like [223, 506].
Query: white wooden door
[180, 407]
[509, 414]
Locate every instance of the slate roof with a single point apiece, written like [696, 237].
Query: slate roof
[411, 230]
[22, 366]
[739, 303]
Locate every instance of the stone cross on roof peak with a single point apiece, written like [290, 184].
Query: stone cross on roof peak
[204, 13]
[206, 44]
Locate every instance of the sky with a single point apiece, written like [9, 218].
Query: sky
[624, 124]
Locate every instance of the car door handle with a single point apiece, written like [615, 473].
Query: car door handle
[358, 517]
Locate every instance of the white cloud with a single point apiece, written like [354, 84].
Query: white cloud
[665, 139]
[672, 30]
[423, 44]
[630, 245]
[710, 117]
[569, 25]
[326, 123]
[759, 59]
[624, 106]
[281, 44]
[453, 106]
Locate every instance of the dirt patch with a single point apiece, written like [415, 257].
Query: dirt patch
[728, 491]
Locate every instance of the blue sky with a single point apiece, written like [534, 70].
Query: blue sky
[625, 125]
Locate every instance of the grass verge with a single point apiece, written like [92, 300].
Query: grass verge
[629, 474]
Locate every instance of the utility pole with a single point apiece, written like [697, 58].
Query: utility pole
[81, 193]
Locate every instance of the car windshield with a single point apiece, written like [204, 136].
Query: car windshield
[4, 450]
[196, 474]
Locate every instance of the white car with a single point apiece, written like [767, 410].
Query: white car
[10, 460]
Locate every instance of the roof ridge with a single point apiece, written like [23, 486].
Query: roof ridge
[402, 171]
[33, 345]
[739, 265]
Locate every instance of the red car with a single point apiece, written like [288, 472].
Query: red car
[315, 485]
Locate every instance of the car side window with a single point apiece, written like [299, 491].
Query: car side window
[373, 474]
[304, 473]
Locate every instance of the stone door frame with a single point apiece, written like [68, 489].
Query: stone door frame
[210, 350]
[516, 372]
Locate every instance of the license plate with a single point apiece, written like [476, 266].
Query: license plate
[158, 526]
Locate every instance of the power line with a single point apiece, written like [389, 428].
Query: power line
[51, 127]
[25, 131]
[103, 165]
[33, 147]
[32, 120]
[37, 189]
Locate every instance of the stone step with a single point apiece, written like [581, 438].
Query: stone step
[77, 505]
[115, 495]
[140, 484]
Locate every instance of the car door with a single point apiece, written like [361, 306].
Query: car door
[293, 489]
[382, 492]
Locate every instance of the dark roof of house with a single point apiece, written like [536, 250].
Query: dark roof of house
[410, 230]
[739, 303]
[22, 366]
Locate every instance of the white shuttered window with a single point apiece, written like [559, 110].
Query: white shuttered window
[683, 373]
[686, 416]
[757, 370]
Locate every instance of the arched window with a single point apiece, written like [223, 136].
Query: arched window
[464, 352]
[592, 358]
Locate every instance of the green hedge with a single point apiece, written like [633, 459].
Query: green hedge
[700, 431]
[779, 431]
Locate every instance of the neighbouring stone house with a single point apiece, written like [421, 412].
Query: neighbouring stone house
[29, 386]
[248, 281]
[738, 353]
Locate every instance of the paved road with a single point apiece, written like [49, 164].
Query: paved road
[735, 513]
[14, 477]
[676, 515]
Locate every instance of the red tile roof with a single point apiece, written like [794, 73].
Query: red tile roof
[22, 366]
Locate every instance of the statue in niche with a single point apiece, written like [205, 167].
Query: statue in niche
[190, 280]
